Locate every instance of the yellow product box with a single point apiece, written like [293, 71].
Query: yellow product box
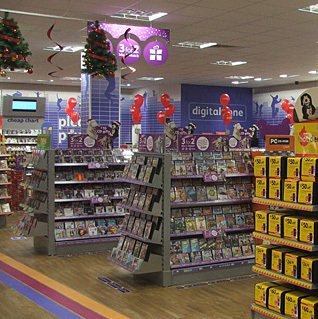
[276, 298]
[293, 263]
[309, 268]
[261, 166]
[309, 308]
[309, 169]
[263, 255]
[290, 190]
[261, 293]
[261, 221]
[308, 231]
[293, 167]
[291, 227]
[307, 193]
[292, 303]
[276, 224]
[275, 188]
[277, 166]
[261, 187]
[278, 258]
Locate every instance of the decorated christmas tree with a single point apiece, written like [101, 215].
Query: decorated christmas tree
[13, 50]
[98, 60]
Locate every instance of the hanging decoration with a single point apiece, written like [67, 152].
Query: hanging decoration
[161, 117]
[49, 59]
[289, 109]
[98, 60]
[226, 112]
[123, 59]
[135, 109]
[169, 108]
[14, 51]
[71, 104]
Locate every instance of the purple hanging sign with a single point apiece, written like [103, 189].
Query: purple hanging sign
[156, 53]
[125, 48]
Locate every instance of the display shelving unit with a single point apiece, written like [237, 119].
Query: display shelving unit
[158, 267]
[44, 230]
[257, 311]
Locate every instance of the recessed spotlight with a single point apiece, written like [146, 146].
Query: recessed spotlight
[140, 15]
[313, 72]
[229, 63]
[146, 78]
[195, 45]
[67, 49]
[240, 77]
[125, 85]
[239, 82]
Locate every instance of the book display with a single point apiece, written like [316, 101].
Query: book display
[289, 229]
[193, 227]
[72, 200]
[5, 207]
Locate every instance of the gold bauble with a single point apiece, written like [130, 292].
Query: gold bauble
[3, 73]
[100, 75]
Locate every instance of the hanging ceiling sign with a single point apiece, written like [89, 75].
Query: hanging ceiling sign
[155, 52]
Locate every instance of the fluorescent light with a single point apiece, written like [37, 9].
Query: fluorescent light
[240, 77]
[311, 9]
[125, 85]
[8, 78]
[51, 80]
[17, 71]
[313, 72]
[68, 49]
[262, 79]
[288, 76]
[70, 78]
[139, 15]
[146, 78]
[283, 76]
[229, 63]
[195, 45]
[239, 82]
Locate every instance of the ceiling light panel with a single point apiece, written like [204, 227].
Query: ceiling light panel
[311, 9]
[67, 49]
[229, 63]
[195, 45]
[139, 15]
[146, 78]
[240, 77]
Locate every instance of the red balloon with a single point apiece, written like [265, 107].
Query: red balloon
[72, 102]
[138, 101]
[291, 108]
[69, 111]
[290, 116]
[161, 117]
[227, 117]
[165, 100]
[225, 109]
[136, 118]
[285, 105]
[169, 111]
[133, 109]
[225, 99]
[75, 117]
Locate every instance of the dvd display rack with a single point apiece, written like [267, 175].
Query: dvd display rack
[72, 200]
[189, 218]
[5, 207]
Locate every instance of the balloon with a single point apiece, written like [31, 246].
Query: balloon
[72, 102]
[138, 101]
[225, 99]
[133, 109]
[69, 110]
[225, 109]
[75, 117]
[291, 118]
[161, 117]
[227, 117]
[169, 111]
[136, 118]
[285, 105]
[165, 100]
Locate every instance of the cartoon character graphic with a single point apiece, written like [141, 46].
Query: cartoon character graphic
[308, 109]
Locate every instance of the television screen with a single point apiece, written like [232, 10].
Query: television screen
[24, 105]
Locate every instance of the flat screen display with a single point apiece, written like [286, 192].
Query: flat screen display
[24, 105]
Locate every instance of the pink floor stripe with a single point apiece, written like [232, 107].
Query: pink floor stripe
[51, 293]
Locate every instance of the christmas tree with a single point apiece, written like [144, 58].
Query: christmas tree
[13, 50]
[98, 60]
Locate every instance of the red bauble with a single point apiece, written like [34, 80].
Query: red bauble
[14, 30]
[30, 70]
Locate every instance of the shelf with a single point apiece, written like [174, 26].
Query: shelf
[66, 200]
[108, 180]
[22, 135]
[101, 199]
[99, 165]
[286, 242]
[137, 182]
[239, 229]
[86, 237]
[5, 155]
[70, 164]
[211, 203]
[87, 240]
[268, 313]
[24, 143]
[89, 216]
[5, 169]
[201, 176]
[272, 202]
[239, 175]
[212, 264]
[5, 197]
[187, 234]
[144, 240]
[290, 280]
[138, 210]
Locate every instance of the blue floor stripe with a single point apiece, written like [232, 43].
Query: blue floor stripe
[42, 301]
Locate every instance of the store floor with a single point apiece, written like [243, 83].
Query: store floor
[226, 300]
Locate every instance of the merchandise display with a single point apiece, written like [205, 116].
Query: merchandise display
[74, 201]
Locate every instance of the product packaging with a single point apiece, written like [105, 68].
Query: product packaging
[277, 167]
[261, 187]
[263, 255]
[261, 166]
[276, 224]
[291, 227]
[276, 298]
[275, 188]
[309, 169]
[292, 303]
[261, 221]
[290, 191]
[309, 268]
[308, 231]
[293, 263]
[293, 167]
[309, 308]
[261, 292]
[307, 193]
[278, 258]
